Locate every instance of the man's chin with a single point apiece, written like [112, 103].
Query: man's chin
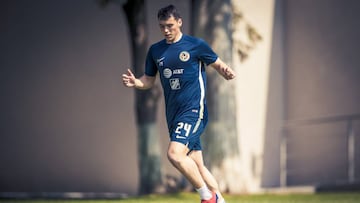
[169, 39]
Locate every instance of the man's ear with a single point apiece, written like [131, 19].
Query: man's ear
[180, 22]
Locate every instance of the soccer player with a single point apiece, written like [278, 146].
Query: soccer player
[180, 61]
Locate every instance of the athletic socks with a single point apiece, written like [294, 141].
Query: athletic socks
[204, 192]
[221, 198]
[222, 201]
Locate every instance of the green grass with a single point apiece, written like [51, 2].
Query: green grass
[193, 197]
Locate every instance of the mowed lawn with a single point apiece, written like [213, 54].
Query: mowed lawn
[193, 198]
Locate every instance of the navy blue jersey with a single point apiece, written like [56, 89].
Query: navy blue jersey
[181, 66]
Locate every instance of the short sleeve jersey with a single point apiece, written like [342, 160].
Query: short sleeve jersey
[181, 66]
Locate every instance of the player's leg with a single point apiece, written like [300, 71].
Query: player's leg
[177, 155]
[209, 179]
[184, 135]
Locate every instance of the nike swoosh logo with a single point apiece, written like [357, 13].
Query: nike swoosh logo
[180, 137]
[161, 59]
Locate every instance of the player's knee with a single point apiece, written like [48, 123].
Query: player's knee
[175, 152]
[172, 157]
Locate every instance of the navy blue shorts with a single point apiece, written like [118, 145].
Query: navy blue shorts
[188, 131]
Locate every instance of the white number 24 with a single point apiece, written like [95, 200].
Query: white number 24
[185, 126]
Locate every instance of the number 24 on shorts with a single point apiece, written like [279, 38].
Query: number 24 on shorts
[185, 126]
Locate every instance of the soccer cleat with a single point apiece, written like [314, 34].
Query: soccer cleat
[214, 199]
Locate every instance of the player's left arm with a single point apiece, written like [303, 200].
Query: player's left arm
[223, 69]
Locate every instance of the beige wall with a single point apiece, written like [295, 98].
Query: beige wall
[252, 90]
[275, 102]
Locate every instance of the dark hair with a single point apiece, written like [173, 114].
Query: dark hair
[167, 12]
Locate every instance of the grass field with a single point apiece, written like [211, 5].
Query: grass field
[193, 197]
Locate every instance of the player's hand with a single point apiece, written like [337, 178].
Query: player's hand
[128, 79]
[223, 69]
[228, 73]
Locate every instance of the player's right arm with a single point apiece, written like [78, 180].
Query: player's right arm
[144, 82]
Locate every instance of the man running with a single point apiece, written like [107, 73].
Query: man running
[180, 61]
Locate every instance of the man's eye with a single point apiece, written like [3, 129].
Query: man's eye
[166, 26]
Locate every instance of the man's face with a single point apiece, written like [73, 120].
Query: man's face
[171, 29]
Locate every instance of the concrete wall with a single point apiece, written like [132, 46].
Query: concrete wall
[322, 79]
[62, 120]
[322, 58]
[252, 94]
[275, 102]
[306, 67]
[67, 123]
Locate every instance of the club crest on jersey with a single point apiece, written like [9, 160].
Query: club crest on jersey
[184, 56]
